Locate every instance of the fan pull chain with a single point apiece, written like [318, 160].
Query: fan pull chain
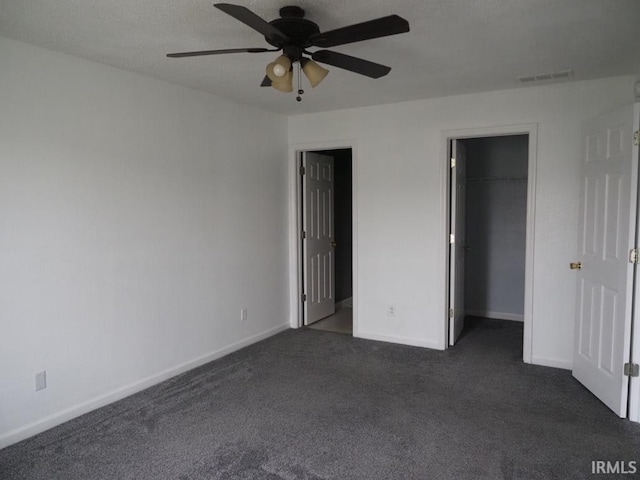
[300, 90]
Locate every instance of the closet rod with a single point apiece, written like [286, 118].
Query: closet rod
[497, 179]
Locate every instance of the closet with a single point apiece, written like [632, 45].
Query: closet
[495, 226]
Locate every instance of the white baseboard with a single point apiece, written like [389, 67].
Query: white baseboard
[414, 342]
[495, 315]
[347, 302]
[67, 414]
[552, 362]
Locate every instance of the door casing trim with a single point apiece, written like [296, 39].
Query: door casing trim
[295, 226]
[530, 129]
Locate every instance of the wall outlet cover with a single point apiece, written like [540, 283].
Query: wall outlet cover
[41, 380]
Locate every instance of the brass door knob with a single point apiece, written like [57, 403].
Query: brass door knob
[575, 265]
[334, 244]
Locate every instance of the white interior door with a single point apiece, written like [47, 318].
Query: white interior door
[318, 242]
[609, 171]
[457, 240]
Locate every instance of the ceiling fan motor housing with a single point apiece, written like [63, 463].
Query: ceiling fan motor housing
[293, 24]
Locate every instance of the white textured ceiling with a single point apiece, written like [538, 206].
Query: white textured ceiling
[455, 46]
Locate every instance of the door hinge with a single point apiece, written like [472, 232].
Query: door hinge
[452, 238]
[636, 138]
[633, 256]
[451, 313]
[303, 297]
[302, 170]
[453, 162]
[303, 235]
[631, 370]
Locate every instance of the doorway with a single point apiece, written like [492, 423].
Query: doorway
[491, 237]
[491, 186]
[496, 226]
[325, 208]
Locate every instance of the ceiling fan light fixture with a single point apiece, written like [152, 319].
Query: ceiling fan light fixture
[283, 84]
[314, 72]
[279, 68]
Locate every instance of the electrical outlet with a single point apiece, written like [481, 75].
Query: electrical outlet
[243, 314]
[391, 311]
[41, 380]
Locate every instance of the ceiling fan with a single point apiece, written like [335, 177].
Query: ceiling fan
[294, 34]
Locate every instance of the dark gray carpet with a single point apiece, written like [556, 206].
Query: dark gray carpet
[315, 405]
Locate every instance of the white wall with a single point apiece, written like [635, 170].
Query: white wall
[136, 219]
[401, 202]
[496, 226]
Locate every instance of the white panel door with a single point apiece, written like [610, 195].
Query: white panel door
[609, 171]
[318, 244]
[457, 248]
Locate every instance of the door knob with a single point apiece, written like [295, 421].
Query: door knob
[333, 244]
[575, 265]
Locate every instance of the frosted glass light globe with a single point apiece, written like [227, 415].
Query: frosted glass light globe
[279, 70]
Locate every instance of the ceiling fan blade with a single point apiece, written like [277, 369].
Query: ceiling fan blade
[249, 18]
[266, 82]
[220, 52]
[381, 27]
[353, 64]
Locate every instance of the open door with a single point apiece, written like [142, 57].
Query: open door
[318, 239]
[457, 241]
[607, 231]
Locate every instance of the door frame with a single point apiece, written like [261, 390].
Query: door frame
[295, 226]
[530, 129]
[633, 401]
[458, 176]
